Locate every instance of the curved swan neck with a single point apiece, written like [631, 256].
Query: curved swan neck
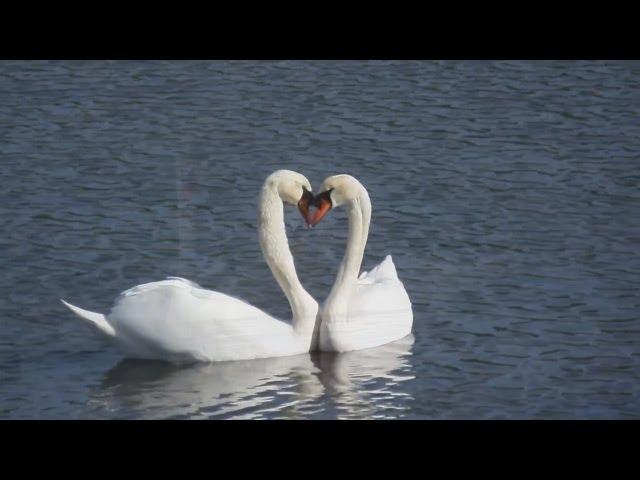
[276, 252]
[359, 219]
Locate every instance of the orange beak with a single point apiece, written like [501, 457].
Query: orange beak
[303, 204]
[323, 204]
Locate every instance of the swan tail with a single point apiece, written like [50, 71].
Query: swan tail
[98, 320]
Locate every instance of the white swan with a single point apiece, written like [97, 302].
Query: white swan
[365, 311]
[179, 321]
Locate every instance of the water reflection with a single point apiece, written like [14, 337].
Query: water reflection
[362, 384]
[367, 383]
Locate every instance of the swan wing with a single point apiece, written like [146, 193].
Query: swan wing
[379, 292]
[385, 270]
[178, 318]
[379, 312]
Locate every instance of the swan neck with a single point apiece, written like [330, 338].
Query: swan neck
[359, 218]
[276, 252]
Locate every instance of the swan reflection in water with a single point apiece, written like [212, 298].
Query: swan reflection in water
[360, 384]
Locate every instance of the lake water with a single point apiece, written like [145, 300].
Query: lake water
[507, 193]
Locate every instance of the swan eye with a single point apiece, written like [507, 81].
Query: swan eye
[323, 197]
[328, 192]
[306, 195]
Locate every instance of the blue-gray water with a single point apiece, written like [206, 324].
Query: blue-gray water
[507, 193]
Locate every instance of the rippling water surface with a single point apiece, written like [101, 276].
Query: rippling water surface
[507, 193]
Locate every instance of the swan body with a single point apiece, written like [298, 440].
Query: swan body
[379, 312]
[366, 310]
[179, 321]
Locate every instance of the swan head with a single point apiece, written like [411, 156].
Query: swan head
[335, 191]
[293, 188]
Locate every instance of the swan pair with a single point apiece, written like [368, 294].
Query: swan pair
[178, 321]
